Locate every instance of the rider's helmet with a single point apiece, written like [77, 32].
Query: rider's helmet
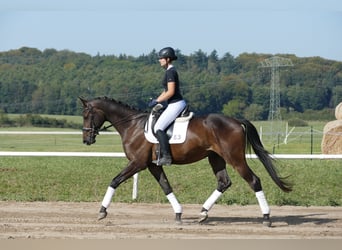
[167, 52]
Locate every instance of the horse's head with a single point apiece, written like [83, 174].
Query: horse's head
[93, 119]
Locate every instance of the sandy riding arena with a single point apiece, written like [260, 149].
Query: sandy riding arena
[69, 220]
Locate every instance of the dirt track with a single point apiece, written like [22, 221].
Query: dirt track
[67, 220]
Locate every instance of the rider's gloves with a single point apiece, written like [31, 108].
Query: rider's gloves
[153, 103]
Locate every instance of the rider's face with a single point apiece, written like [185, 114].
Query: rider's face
[163, 62]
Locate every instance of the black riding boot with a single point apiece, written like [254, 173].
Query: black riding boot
[165, 158]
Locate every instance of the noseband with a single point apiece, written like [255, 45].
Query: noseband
[94, 130]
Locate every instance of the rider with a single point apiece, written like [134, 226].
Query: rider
[174, 99]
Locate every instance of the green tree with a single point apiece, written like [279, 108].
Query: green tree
[233, 108]
[253, 112]
[32, 81]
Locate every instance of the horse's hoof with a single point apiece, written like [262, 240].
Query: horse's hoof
[102, 213]
[178, 218]
[203, 216]
[102, 216]
[266, 221]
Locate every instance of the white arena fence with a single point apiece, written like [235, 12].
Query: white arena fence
[135, 177]
[50, 133]
[121, 154]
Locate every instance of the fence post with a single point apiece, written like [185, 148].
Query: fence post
[135, 186]
[311, 142]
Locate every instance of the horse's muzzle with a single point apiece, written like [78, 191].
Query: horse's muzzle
[88, 141]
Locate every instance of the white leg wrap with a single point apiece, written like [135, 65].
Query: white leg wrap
[108, 197]
[177, 208]
[212, 199]
[265, 209]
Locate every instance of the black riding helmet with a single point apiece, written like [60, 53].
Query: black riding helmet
[167, 52]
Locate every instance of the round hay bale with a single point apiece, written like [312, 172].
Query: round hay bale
[338, 111]
[332, 138]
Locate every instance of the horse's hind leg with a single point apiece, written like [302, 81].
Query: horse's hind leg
[159, 175]
[255, 183]
[223, 183]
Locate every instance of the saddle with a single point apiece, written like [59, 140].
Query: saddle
[176, 131]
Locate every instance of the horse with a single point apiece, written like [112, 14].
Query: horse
[221, 139]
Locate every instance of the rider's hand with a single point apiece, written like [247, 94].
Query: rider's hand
[152, 103]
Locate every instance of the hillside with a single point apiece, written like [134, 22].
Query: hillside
[49, 82]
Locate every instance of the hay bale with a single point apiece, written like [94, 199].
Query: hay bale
[338, 111]
[332, 138]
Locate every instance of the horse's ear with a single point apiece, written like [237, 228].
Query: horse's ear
[84, 101]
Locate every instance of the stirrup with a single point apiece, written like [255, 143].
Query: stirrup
[163, 161]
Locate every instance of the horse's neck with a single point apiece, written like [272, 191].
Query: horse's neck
[121, 117]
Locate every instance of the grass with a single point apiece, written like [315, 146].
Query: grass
[299, 141]
[59, 143]
[316, 182]
[292, 140]
[69, 118]
[56, 142]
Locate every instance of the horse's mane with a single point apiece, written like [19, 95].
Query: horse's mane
[137, 113]
[106, 98]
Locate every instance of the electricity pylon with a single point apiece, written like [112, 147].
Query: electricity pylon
[274, 115]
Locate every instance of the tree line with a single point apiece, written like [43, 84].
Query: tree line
[50, 81]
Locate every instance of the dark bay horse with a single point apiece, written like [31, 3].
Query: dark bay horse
[221, 139]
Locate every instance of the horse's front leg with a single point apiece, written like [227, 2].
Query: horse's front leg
[160, 176]
[132, 168]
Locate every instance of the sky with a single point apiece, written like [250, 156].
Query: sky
[305, 28]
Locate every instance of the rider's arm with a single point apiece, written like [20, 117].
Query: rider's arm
[167, 94]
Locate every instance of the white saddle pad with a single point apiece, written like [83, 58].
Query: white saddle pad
[178, 130]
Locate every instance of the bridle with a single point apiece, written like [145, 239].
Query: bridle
[93, 129]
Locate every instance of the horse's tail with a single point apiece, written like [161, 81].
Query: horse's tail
[253, 140]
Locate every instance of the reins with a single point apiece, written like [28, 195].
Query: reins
[95, 131]
[104, 128]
